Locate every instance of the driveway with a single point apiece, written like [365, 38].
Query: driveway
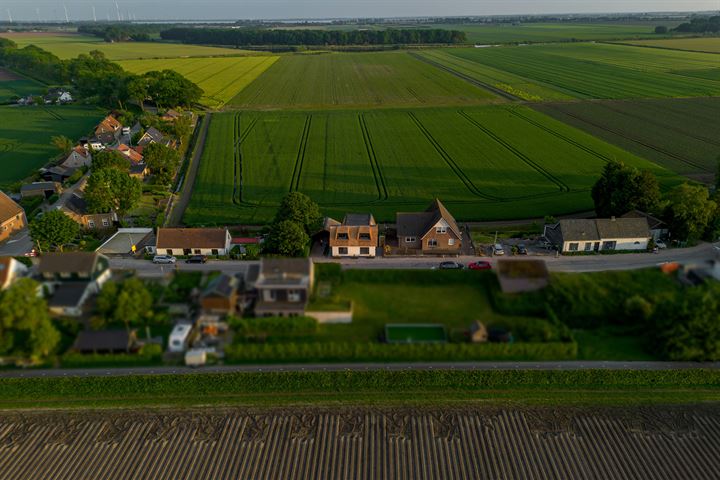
[18, 245]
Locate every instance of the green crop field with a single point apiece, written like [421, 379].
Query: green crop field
[601, 70]
[681, 134]
[705, 44]
[221, 78]
[488, 162]
[25, 134]
[13, 86]
[70, 45]
[332, 80]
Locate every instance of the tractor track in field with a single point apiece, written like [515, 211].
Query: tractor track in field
[53, 114]
[240, 137]
[374, 164]
[467, 78]
[297, 170]
[531, 163]
[627, 137]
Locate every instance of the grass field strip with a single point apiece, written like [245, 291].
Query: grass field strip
[240, 135]
[297, 171]
[374, 164]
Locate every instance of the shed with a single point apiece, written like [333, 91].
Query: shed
[106, 341]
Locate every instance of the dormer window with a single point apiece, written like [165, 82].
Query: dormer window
[364, 236]
[342, 236]
[440, 229]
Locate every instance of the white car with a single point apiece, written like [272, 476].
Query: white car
[498, 249]
[166, 259]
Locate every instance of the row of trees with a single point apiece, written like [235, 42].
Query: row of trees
[95, 77]
[700, 25]
[120, 32]
[241, 37]
[691, 212]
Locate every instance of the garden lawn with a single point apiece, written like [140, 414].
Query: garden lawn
[221, 78]
[337, 80]
[26, 132]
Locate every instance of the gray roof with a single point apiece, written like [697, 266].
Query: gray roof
[76, 204]
[584, 230]
[578, 229]
[285, 271]
[623, 228]
[30, 187]
[68, 294]
[358, 220]
[223, 286]
[151, 135]
[69, 262]
[417, 224]
[104, 340]
[653, 222]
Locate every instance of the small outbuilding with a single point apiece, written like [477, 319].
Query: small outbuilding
[106, 342]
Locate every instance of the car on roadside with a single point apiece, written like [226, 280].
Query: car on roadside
[451, 266]
[661, 245]
[522, 249]
[498, 250]
[480, 265]
[164, 259]
[196, 259]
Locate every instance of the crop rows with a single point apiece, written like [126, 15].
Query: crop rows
[498, 158]
[385, 443]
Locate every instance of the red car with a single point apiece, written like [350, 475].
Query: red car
[480, 266]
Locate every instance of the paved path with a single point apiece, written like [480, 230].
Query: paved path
[358, 367]
[182, 201]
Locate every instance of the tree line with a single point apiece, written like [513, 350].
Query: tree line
[243, 37]
[124, 32]
[700, 25]
[97, 79]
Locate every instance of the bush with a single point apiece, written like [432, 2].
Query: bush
[378, 352]
[274, 326]
[148, 355]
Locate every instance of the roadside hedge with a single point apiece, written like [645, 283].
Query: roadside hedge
[149, 356]
[379, 352]
[199, 385]
[274, 326]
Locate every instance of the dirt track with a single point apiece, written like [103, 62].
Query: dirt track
[494, 443]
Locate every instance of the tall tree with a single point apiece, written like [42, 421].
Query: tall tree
[299, 208]
[621, 189]
[689, 212]
[287, 238]
[110, 159]
[53, 230]
[163, 161]
[62, 143]
[110, 189]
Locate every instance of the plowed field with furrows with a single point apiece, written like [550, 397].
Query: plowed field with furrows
[494, 443]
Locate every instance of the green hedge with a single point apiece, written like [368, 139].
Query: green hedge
[378, 352]
[151, 355]
[194, 385]
[274, 326]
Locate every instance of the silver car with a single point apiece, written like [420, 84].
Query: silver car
[498, 249]
[166, 259]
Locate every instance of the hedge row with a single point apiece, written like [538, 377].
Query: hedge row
[378, 352]
[186, 385]
[151, 355]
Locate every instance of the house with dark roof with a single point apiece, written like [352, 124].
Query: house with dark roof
[356, 236]
[40, 189]
[71, 278]
[582, 235]
[432, 232]
[106, 342]
[76, 208]
[283, 287]
[221, 295]
[151, 135]
[57, 173]
[658, 229]
[193, 241]
[12, 217]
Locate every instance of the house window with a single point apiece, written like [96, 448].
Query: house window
[364, 236]
[573, 247]
[451, 242]
[91, 224]
[105, 222]
[440, 229]
[293, 295]
[270, 295]
[215, 251]
[169, 251]
[410, 239]
[342, 236]
[364, 250]
[432, 243]
[197, 251]
[588, 246]
[343, 250]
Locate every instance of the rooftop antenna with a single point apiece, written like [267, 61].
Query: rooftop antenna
[94, 16]
[67, 19]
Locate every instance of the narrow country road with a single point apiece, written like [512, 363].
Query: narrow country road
[359, 367]
[182, 201]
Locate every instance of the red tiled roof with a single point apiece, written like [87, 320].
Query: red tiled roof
[191, 238]
[245, 240]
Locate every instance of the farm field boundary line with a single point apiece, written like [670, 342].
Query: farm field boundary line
[240, 137]
[628, 137]
[659, 47]
[467, 78]
[374, 164]
[532, 164]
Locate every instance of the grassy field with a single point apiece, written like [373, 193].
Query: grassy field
[69, 45]
[681, 134]
[13, 85]
[332, 80]
[705, 44]
[221, 78]
[597, 70]
[25, 134]
[485, 163]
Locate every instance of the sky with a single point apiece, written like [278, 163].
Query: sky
[292, 9]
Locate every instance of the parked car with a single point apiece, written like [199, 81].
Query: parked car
[661, 245]
[451, 266]
[481, 265]
[196, 259]
[522, 249]
[166, 259]
[498, 249]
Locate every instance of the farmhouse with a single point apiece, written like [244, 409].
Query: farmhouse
[356, 236]
[12, 217]
[76, 208]
[71, 278]
[40, 189]
[580, 235]
[283, 287]
[79, 157]
[193, 241]
[433, 231]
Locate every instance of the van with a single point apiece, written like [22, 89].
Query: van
[195, 358]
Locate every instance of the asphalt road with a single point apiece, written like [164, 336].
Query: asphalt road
[695, 255]
[358, 367]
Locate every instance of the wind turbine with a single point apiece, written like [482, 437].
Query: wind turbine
[67, 19]
[94, 16]
[9, 15]
[117, 9]
[37, 14]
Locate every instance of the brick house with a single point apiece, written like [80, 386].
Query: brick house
[283, 287]
[356, 236]
[432, 232]
[12, 217]
[76, 208]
